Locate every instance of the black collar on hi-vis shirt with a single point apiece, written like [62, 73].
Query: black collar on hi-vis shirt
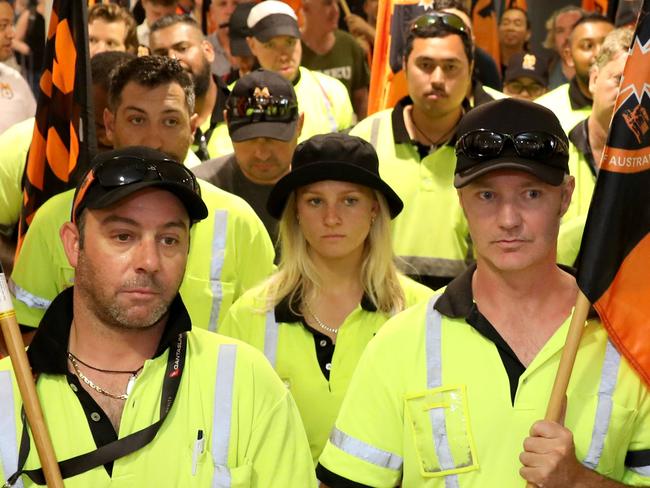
[108, 453]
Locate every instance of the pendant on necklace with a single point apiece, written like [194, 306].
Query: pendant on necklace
[130, 385]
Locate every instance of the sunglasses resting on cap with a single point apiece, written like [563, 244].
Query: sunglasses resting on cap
[116, 178]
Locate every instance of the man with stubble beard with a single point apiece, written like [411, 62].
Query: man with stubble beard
[572, 101]
[180, 37]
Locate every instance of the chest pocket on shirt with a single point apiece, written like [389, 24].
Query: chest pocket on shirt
[441, 431]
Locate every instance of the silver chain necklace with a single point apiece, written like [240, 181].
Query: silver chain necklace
[319, 322]
[99, 389]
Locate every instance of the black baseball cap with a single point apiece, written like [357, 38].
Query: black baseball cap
[335, 156]
[512, 117]
[272, 18]
[238, 30]
[116, 174]
[526, 65]
[262, 104]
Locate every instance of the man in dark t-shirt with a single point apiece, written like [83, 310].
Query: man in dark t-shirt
[335, 52]
[264, 125]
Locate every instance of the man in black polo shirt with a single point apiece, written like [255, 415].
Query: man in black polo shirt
[571, 102]
[414, 142]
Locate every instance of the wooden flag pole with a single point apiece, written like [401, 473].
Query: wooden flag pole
[569, 352]
[22, 370]
[345, 7]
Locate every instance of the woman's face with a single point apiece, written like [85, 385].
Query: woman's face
[335, 218]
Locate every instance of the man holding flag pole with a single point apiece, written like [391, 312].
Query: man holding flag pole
[450, 393]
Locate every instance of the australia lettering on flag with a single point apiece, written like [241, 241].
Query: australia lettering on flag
[614, 266]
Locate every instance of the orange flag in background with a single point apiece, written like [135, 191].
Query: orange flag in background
[599, 6]
[387, 81]
[614, 266]
[64, 132]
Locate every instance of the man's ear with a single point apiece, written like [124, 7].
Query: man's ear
[300, 124]
[252, 45]
[567, 191]
[69, 234]
[593, 77]
[109, 124]
[194, 122]
[208, 50]
[566, 55]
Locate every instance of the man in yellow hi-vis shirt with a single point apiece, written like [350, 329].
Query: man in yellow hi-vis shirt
[132, 393]
[275, 42]
[151, 104]
[450, 393]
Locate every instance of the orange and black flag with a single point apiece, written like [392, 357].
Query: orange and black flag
[614, 266]
[387, 80]
[64, 140]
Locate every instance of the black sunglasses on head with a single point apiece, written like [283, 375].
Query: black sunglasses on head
[262, 109]
[483, 144]
[446, 19]
[127, 170]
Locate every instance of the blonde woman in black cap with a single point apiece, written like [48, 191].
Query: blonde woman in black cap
[336, 284]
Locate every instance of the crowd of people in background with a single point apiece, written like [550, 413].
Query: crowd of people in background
[265, 107]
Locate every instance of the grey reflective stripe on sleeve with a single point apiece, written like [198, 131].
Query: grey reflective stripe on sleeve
[366, 452]
[334, 125]
[216, 265]
[608, 378]
[221, 422]
[642, 470]
[29, 299]
[431, 266]
[8, 444]
[271, 337]
[434, 380]
[374, 132]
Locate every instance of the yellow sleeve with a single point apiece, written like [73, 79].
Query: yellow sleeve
[637, 469]
[570, 239]
[14, 145]
[42, 270]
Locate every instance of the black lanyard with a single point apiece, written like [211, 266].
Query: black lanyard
[121, 447]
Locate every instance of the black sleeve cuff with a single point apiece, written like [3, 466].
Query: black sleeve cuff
[637, 459]
[333, 480]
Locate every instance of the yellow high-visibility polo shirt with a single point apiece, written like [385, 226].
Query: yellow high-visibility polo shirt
[431, 405]
[293, 349]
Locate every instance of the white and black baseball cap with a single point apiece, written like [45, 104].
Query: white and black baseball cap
[272, 18]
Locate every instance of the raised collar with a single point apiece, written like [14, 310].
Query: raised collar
[286, 310]
[457, 301]
[576, 97]
[579, 137]
[48, 351]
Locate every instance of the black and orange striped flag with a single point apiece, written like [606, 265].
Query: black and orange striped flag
[64, 141]
[614, 266]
